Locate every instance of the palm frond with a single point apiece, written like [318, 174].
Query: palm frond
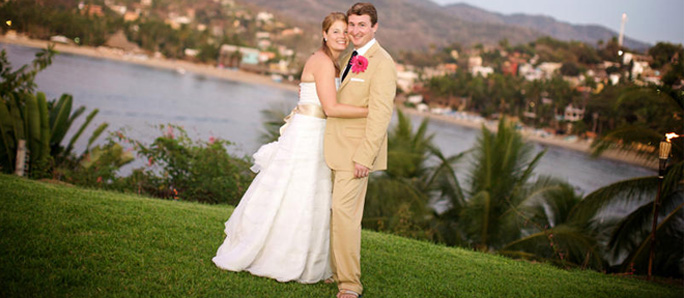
[635, 227]
[478, 215]
[443, 176]
[628, 138]
[639, 256]
[674, 178]
[564, 242]
[631, 230]
[548, 198]
[273, 119]
[386, 195]
[630, 191]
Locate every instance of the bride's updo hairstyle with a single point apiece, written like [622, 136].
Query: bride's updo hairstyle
[327, 22]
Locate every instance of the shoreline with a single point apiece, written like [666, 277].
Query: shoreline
[579, 145]
[252, 78]
[177, 65]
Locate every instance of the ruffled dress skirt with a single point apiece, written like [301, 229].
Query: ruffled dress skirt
[280, 228]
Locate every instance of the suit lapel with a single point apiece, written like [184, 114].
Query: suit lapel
[369, 54]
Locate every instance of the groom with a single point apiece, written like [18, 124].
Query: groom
[355, 147]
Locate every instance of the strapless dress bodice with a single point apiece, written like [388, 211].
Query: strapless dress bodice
[308, 94]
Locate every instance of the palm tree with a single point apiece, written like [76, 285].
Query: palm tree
[625, 235]
[398, 200]
[272, 121]
[503, 211]
[548, 232]
[644, 115]
[501, 166]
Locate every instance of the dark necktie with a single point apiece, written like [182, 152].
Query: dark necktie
[346, 69]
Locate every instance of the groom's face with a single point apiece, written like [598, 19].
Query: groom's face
[360, 30]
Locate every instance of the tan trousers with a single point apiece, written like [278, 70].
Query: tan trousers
[348, 197]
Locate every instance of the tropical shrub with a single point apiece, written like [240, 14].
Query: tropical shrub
[26, 115]
[180, 168]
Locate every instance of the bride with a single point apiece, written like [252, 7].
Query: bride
[280, 228]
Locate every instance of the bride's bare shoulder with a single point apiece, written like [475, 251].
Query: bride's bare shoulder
[319, 59]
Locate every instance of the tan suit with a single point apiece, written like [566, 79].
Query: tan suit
[364, 141]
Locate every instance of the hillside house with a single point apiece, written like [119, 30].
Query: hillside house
[234, 56]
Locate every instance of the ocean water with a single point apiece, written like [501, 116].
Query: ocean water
[137, 98]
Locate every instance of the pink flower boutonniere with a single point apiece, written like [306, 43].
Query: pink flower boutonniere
[359, 64]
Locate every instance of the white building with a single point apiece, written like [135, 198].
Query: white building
[474, 61]
[484, 71]
[406, 79]
[530, 72]
[415, 99]
[573, 114]
[264, 17]
[639, 68]
[249, 55]
[263, 35]
[614, 78]
[549, 68]
[191, 52]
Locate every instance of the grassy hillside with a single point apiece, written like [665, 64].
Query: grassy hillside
[67, 241]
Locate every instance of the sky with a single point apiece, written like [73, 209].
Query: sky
[647, 20]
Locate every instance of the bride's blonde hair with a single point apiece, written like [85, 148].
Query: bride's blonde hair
[327, 22]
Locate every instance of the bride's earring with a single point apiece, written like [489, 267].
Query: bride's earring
[325, 39]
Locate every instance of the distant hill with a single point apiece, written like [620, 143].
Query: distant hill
[405, 24]
[544, 24]
[419, 24]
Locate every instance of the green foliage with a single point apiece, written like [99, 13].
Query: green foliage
[609, 51]
[208, 53]
[501, 210]
[42, 19]
[663, 53]
[397, 199]
[29, 116]
[636, 119]
[98, 167]
[569, 69]
[502, 164]
[66, 241]
[272, 121]
[180, 168]
[626, 234]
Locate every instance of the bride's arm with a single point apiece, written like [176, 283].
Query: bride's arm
[324, 76]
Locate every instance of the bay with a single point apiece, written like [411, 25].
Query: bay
[136, 98]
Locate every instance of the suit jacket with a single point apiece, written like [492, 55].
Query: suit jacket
[363, 140]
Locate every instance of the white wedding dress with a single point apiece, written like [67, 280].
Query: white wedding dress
[280, 229]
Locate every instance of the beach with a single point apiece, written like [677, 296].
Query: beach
[178, 65]
[252, 78]
[548, 140]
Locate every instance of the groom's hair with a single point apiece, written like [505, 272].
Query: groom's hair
[362, 8]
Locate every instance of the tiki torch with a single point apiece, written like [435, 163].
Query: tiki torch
[663, 155]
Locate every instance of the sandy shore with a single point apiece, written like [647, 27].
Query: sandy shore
[178, 65]
[247, 77]
[579, 145]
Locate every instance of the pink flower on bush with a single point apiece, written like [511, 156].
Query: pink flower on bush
[212, 140]
[169, 132]
[359, 64]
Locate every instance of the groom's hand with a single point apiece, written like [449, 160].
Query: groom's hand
[360, 171]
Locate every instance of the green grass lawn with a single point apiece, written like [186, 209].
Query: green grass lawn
[68, 241]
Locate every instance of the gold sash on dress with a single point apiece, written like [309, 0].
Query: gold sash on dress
[312, 110]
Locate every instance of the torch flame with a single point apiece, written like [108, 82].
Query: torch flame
[671, 136]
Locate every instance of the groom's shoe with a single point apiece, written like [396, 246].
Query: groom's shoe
[348, 294]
